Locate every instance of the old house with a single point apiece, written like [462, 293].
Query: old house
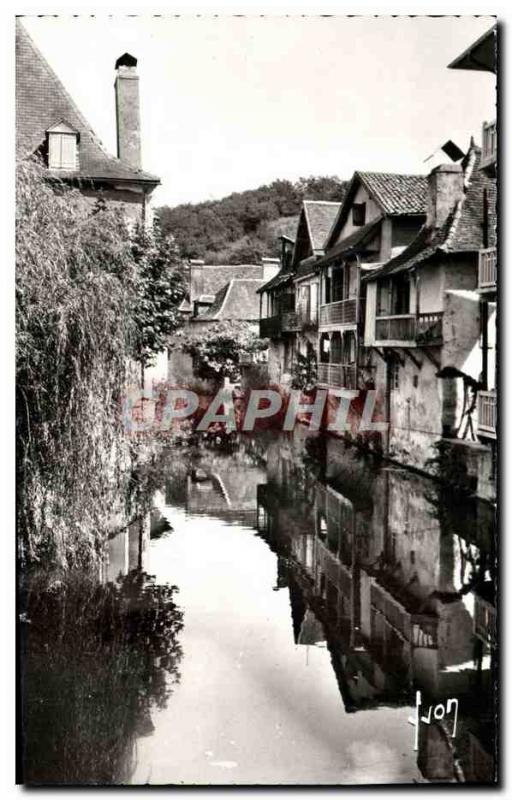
[49, 123]
[380, 215]
[481, 57]
[289, 302]
[422, 320]
[219, 293]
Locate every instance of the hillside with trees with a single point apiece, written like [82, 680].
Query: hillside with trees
[244, 226]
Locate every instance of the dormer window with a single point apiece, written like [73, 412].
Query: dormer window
[62, 147]
[359, 214]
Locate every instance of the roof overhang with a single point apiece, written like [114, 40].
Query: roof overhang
[480, 56]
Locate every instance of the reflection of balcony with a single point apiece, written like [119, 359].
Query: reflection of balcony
[344, 312]
[487, 413]
[489, 145]
[419, 630]
[409, 329]
[484, 623]
[487, 269]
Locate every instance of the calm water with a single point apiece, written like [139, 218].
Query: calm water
[300, 600]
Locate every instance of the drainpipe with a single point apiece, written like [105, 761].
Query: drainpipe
[358, 297]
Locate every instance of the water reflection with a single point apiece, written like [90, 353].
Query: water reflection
[97, 659]
[403, 587]
[320, 590]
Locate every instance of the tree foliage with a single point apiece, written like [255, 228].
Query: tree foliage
[244, 226]
[89, 298]
[160, 288]
[216, 352]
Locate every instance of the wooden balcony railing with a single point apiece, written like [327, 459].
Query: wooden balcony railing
[487, 414]
[400, 328]
[489, 145]
[344, 312]
[429, 328]
[484, 621]
[270, 327]
[344, 376]
[421, 329]
[487, 269]
[337, 375]
[290, 321]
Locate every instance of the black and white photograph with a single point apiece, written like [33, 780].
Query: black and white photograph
[257, 382]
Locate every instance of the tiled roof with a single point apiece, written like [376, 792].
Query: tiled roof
[283, 276]
[397, 194]
[42, 101]
[354, 242]
[463, 230]
[320, 216]
[209, 277]
[237, 300]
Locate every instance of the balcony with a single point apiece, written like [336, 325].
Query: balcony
[344, 312]
[270, 327]
[343, 376]
[290, 321]
[410, 330]
[487, 414]
[489, 145]
[487, 270]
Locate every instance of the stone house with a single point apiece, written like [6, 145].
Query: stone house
[289, 302]
[380, 215]
[49, 123]
[422, 319]
[219, 293]
[481, 57]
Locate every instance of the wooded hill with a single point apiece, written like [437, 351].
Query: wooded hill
[244, 226]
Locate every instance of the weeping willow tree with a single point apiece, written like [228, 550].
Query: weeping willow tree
[75, 289]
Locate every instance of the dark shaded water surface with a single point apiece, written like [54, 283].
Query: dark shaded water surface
[271, 621]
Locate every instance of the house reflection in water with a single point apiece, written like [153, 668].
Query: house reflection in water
[221, 485]
[400, 587]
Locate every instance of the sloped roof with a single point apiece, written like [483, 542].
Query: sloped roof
[210, 277]
[237, 299]
[395, 194]
[354, 242]
[283, 276]
[463, 230]
[320, 216]
[481, 55]
[42, 101]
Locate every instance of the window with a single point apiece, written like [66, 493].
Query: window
[359, 214]
[62, 147]
[394, 373]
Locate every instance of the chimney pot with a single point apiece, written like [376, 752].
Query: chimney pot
[128, 110]
[445, 189]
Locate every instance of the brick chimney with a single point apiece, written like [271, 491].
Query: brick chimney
[128, 110]
[445, 189]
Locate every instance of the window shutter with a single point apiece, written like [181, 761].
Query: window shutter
[54, 151]
[62, 151]
[68, 151]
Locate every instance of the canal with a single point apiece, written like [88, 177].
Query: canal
[271, 622]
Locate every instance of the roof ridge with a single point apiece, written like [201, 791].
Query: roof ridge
[324, 202]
